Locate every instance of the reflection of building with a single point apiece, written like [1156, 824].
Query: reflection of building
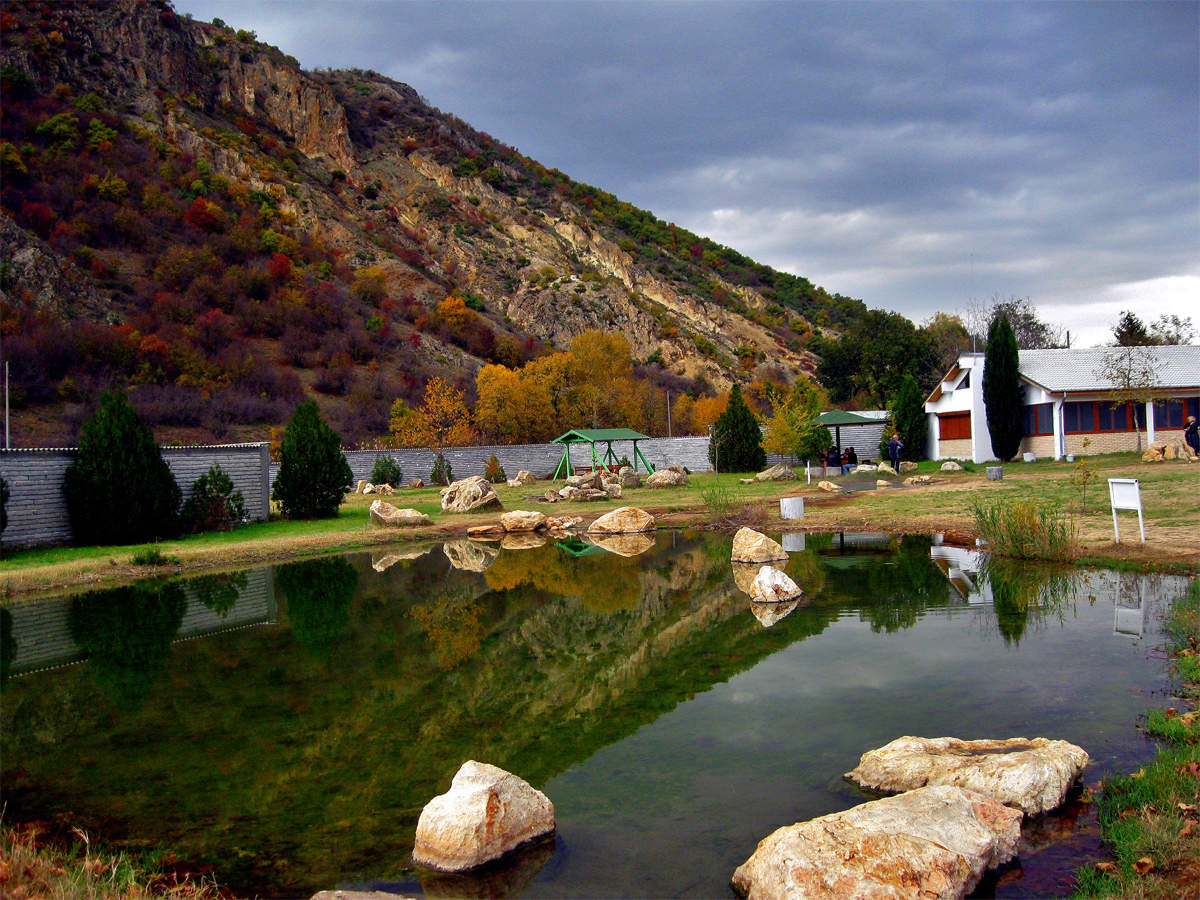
[1066, 402]
[845, 541]
[42, 628]
[962, 568]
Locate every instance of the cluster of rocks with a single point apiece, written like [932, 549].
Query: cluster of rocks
[600, 484]
[524, 521]
[1173, 449]
[958, 813]
[365, 487]
[758, 563]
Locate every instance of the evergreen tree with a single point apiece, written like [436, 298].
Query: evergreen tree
[736, 444]
[908, 418]
[119, 490]
[1003, 398]
[313, 473]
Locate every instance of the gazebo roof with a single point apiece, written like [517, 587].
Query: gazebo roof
[841, 417]
[591, 435]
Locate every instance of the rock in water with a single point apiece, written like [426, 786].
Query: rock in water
[1030, 775]
[486, 813]
[623, 520]
[383, 513]
[471, 493]
[752, 546]
[772, 586]
[935, 842]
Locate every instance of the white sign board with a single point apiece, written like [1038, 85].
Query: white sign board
[1126, 493]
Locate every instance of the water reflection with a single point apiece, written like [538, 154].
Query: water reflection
[645, 687]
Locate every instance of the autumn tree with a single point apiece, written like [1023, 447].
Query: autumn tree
[512, 409]
[442, 420]
[793, 430]
[602, 387]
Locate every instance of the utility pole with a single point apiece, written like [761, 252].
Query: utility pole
[668, 414]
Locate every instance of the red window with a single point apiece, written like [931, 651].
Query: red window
[954, 426]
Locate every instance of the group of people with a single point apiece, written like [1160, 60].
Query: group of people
[847, 461]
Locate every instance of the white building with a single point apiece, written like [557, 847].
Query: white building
[1068, 405]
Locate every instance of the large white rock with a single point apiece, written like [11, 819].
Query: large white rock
[486, 813]
[666, 478]
[475, 492]
[1032, 775]
[935, 842]
[623, 520]
[780, 472]
[745, 573]
[752, 546]
[522, 520]
[383, 513]
[772, 586]
[829, 486]
[951, 466]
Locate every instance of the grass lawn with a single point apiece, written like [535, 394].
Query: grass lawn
[1169, 496]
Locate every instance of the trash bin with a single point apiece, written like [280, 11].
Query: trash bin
[995, 473]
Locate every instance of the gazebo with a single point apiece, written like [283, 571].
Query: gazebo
[593, 436]
[836, 418]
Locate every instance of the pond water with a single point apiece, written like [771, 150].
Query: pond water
[285, 725]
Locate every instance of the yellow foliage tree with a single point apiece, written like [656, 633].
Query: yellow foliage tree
[454, 313]
[441, 421]
[602, 392]
[706, 411]
[512, 409]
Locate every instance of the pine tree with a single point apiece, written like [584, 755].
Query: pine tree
[313, 473]
[736, 444]
[908, 417]
[119, 490]
[1003, 398]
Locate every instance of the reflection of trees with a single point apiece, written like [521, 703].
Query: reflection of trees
[126, 635]
[219, 592]
[451, 623]
[603, 583]
[1021, 590]
[8, 644]
[806, 570]
[910, 583]
[318, 601]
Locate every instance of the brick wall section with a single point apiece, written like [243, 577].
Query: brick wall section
[960, 448]
[37, 512]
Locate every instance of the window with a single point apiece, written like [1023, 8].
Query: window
[1110, 419]
[1038, 419]
[954, 426]
[1079, 417]
[966, 380]
[1173, 413]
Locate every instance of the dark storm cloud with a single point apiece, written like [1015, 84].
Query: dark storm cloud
[913, 154]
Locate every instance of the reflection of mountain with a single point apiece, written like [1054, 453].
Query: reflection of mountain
[316, 764]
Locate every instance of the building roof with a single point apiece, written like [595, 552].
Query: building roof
[1080, 369]
[591, 435]
[842, 417]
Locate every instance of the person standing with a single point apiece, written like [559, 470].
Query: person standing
[895, 446]
[1191, 435]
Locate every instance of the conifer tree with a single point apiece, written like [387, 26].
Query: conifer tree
[908, 418]
[1003, 398]
[313, 473]
[736, 444]
[119, 490]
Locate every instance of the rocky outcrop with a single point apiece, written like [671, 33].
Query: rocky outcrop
[750, 546]
[1031, 775]
[781, 472]
[383, 513]
[623, 520]
[935, 842]
[772, 586]
[486, 813]
[475, 492]
[885, 468]
[745, 573]
[1172, 449]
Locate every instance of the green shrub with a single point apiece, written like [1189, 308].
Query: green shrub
[214, 504]
[313, 473]
[718, 500]
[1024, 529]
[736, 443]
[442, 472]
[386, 471]
[152, 556]
[493, 471]
[119, 490]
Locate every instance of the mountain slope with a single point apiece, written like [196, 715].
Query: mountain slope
[186, 211]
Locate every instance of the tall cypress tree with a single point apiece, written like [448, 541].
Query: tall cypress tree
[119, 490]
[1003, 398]
[736, 444]
[313, 473]
[908, 417]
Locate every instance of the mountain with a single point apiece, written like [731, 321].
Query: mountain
[185, 212]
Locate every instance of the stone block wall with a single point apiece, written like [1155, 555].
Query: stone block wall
[37, 510]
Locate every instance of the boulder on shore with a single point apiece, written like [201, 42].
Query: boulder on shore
[522, 520]
[935, 842]
[623, 520]
[475, 492]
[383, 513]
[1033, 776]
[486, 813]
[754, 547]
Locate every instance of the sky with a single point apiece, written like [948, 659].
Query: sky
[923, 157]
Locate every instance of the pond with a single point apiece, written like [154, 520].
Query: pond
[285, 725]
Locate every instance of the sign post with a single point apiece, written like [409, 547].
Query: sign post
[1126, 493]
